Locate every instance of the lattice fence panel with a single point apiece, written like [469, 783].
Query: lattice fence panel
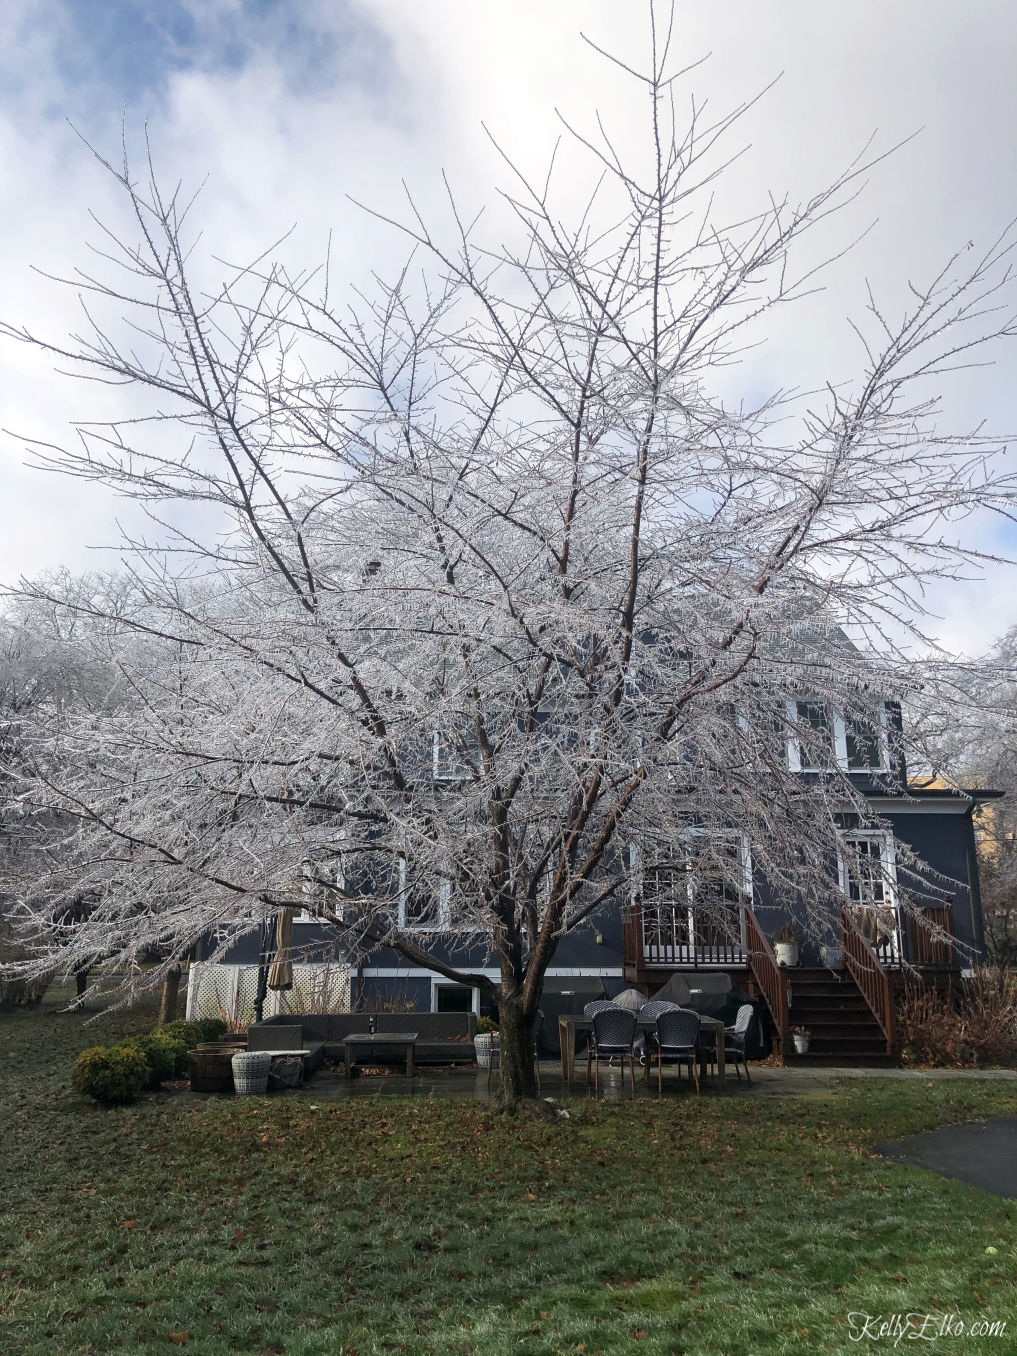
[229, 991]
[316, 988]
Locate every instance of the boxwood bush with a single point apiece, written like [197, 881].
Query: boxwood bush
[192, 1034]
[211, 1028]
[119, 1072]
[165, 1055]
[112, 1075]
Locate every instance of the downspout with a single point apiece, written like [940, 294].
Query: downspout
[974, 888]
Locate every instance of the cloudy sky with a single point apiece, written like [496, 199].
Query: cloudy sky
[290, 109]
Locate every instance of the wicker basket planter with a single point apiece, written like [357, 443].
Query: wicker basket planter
[250, 1071]
[484, 1044]
[286, 1072]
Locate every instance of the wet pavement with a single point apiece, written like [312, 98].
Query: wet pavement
[797, 1080]
[980, 1153]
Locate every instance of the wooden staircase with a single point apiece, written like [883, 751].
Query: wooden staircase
[849, 1013]
[840, 1022]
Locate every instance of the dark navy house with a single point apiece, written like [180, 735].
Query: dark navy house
[842, 992]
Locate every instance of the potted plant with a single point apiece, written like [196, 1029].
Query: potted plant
[485, 1041]
[800, 1035]
[785, 945]
[833, 957]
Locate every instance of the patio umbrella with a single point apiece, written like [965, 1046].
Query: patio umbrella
[280, 976]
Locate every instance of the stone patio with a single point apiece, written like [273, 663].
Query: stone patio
[798, 1080]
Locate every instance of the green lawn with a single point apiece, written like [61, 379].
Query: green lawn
[724, 1224]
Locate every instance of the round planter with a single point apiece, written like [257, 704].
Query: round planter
[801, 1045]
[250, 1072]
[211, 1070]
[786, 953]
[483, 1045]
[833, 957]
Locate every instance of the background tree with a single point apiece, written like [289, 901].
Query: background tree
[50, 669]
[505, 604]
[967, 736]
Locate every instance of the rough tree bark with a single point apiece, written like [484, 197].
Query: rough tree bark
[168, 998]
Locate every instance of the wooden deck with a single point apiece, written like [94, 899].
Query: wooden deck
[850, 1012]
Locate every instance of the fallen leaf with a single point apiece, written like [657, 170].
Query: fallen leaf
[180, 1339]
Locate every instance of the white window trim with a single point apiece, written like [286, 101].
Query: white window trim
[888, 860]
[445, 775]
[839, 730]
[437, 984]
[891, 945]
[442, 922]
[306, 915]
[747, 888]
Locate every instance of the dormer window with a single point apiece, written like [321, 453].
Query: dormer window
[423, 905]
[865, 748]
[455, 755]
[322, 884]
[822, 737]
[815, 735]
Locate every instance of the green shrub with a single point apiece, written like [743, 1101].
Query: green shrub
[110, 1075]
[164, 1055]
[188, 1035]
[210, 1028]
[486, 1025]
[177, 1050]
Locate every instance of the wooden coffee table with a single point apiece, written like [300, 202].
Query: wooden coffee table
[371, 1040]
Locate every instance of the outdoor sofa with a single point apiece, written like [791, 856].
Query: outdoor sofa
[442, 1037]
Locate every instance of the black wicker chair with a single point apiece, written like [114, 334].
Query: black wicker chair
[599, 1005]
[676, 1039]
[614, 1037]
[652, 1010]
[735, 1037]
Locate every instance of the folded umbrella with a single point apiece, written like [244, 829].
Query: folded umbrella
[280, 976]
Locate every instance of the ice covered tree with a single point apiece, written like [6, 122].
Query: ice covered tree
[966, 735]
[504, 608]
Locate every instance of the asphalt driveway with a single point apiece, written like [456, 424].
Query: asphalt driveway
[980, 1153]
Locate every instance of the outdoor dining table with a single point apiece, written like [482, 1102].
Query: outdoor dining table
[569, 1024]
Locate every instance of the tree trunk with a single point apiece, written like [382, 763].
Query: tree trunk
[168, 1000]
[80, 982]
[515, 1058]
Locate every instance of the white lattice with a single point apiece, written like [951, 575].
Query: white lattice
[316, 988]
[229, 991]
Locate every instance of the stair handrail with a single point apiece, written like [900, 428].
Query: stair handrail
[771, 977]
[870, 976]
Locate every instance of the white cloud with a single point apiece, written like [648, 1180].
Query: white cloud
[289, 116]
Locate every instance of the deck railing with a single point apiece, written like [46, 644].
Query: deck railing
[870, 975]
[660, 938]
[769, 976]
[924, 949]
